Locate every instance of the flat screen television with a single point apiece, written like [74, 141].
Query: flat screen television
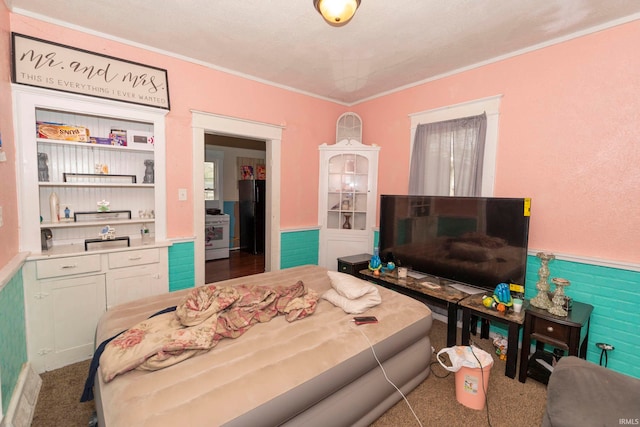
[476, 241]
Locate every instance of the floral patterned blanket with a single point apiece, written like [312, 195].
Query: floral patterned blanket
[207, 315]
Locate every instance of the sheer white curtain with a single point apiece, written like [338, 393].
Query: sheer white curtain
[447, 157]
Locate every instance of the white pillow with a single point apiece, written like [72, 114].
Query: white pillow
[351, 294]
[350, 286]
[353, 306]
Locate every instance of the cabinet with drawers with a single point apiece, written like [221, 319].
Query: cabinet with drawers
[133, 275]
[65, 296]
[78, 155]
[570, 334]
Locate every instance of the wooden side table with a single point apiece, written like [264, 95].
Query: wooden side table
[472, 307]
[560, 332]
[353, 264]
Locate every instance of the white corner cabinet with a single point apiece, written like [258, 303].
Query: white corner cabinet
[347, 200]
[69, 285]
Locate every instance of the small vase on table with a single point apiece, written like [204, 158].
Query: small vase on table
[347, 222]
[559, 297]
[542, 299]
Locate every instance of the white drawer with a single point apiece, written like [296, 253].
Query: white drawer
[131, 258]
[67, 266]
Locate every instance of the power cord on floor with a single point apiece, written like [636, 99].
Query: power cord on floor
[438, 363]
[486, 399]
[386, 377]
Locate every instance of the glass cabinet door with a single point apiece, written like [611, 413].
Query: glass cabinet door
[348, 192]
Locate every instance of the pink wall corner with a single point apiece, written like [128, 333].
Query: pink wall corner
[8, 191]
[566, 135]
[568, 138]
[308, 122]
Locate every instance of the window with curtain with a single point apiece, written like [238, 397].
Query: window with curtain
[447, 157]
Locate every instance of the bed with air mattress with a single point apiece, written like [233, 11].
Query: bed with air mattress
[319, 369]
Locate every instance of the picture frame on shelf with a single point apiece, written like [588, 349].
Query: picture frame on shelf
[98, 177]
[122, 241]
[136, 138]
[101, 216]
[118, 137]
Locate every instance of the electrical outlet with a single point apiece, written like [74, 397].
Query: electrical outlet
[1, 219]
[182, 194]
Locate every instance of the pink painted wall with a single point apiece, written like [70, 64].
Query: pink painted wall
[569, 138]
[308, 121]
[8, 196]
[568, 135]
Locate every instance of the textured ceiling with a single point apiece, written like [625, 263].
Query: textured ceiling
[388, 44]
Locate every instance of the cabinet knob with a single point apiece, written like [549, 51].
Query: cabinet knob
[64, 267]
[549, 328]
[135, 258]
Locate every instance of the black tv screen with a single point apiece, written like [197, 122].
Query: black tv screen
[477, 241]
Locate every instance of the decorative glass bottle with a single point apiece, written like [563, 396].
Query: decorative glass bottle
[375, 264]
[145, 236]
[347, 222]
[559, 297]
[542, 299]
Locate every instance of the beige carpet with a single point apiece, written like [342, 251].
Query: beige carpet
[510, 403]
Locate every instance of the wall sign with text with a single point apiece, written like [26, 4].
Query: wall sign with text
[50, 65]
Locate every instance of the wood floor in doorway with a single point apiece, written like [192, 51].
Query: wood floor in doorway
[238, 264]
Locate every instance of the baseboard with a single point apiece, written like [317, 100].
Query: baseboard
[24, 399]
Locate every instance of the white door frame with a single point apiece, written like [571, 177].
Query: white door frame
[202, 123]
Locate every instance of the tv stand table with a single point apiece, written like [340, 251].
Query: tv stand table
[428, 288]
[473, 308]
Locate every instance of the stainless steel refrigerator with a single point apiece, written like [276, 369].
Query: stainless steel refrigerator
[251, 196]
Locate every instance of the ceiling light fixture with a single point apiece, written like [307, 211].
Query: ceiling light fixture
[337, 12]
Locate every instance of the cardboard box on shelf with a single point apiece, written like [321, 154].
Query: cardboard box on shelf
[118, 137]
[62, 132]
[101, 141]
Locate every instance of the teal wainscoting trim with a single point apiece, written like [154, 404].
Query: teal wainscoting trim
[299, 247]
[13, 348]
[229, 208]
[614, 294]
[181, 266]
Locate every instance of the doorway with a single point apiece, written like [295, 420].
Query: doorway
[203, 123]
[238, 264]
[233, 158]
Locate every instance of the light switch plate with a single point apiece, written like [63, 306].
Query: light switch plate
[182, 194]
